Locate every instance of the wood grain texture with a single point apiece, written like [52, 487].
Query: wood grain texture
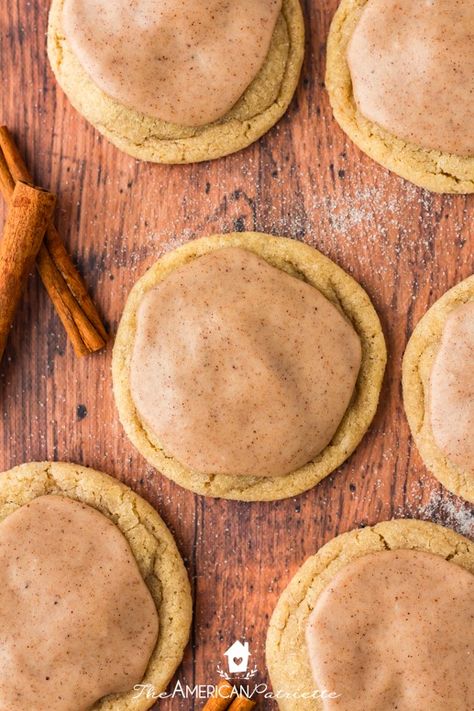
[304, 180]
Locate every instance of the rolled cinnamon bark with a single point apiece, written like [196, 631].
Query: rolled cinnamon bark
[222, 698]
[62, 281]
[28, 217]
[242, 704]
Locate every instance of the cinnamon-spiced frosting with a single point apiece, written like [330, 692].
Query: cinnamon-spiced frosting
[76, 618]
[438, 391]
[451, 399]
[412, 71]
[240, 368]
[186, 62]
[394, 630]
[379, 619]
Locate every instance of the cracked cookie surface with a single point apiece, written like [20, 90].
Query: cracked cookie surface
[417, 366]
[431, 169]
[337, 286]
[287, 659]
[260, 107]
[151, 543]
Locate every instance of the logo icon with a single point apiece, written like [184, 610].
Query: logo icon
[238, 657]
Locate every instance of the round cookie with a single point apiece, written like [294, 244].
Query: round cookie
[303, 262]
[152, 545]
[287, 658]
[431, 169]
[417, 365]
[261, 106]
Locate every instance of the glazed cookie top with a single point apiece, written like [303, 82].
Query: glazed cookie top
[77, 620]
[451, 400]
[307, 267]
[438, 393]
[372, 639]
[240, 368]
[185, 62]
[412, 70]
[329, 575]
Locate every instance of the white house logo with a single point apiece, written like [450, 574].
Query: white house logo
[238, 663]
[238, 657]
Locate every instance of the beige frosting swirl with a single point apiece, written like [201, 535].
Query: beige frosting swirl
[240, 368]
[412, 69]
[395, 630]
[186, 61]
[77, 621]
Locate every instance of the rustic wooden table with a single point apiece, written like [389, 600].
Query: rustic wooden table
[303, 180]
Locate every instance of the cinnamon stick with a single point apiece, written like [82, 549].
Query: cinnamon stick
[222, 697]
[241, 703]
[61, 279]
[63, 301]
[29, 214]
